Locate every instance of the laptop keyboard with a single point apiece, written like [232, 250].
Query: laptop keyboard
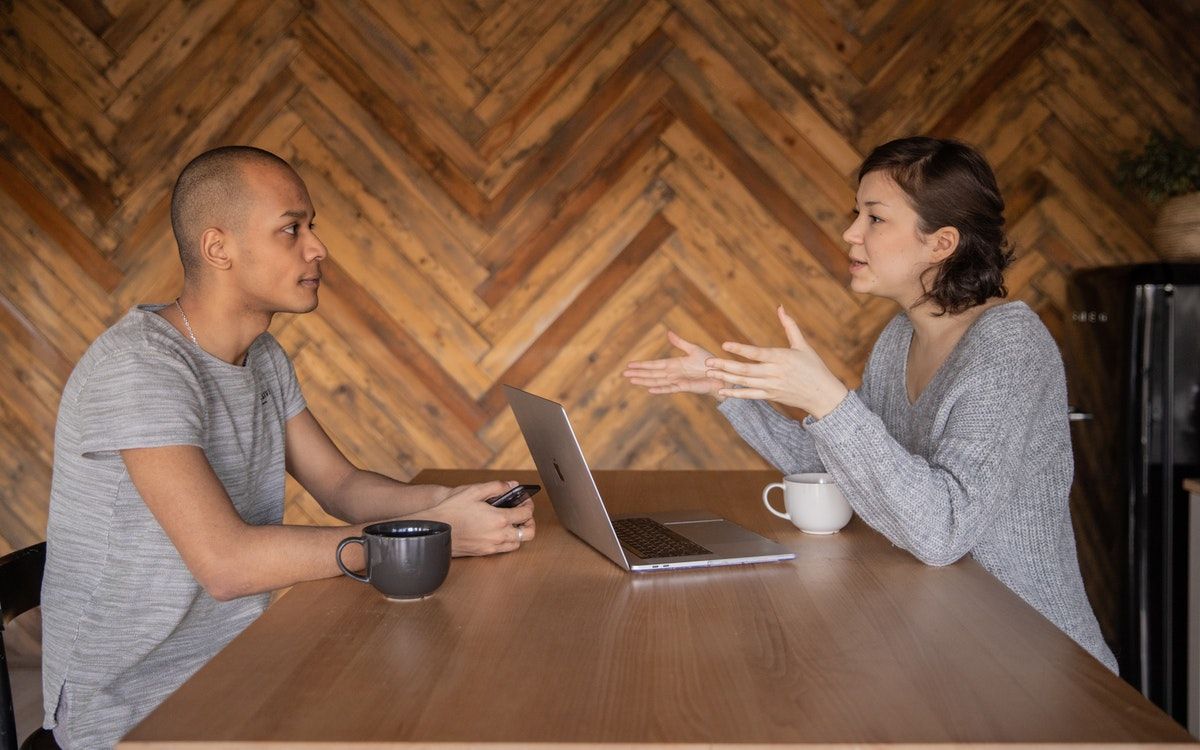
[649, 539]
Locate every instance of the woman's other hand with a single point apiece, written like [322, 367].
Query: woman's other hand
[686, 374]
[795, 376]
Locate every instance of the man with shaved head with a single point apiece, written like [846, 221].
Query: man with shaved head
[211, 192]
[174, 433]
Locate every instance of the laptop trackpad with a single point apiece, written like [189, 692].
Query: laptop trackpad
[710, 533]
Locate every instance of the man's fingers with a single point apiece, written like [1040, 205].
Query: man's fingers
[527, 531]
[521, 514]
[480, 492]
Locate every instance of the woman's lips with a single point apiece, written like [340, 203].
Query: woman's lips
[857, 264]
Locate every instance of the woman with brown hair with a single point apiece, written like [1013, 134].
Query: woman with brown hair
[957, 441]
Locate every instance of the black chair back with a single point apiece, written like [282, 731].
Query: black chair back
[20, 591]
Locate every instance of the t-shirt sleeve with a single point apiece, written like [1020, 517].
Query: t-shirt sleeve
[289, 387]
[139, 399]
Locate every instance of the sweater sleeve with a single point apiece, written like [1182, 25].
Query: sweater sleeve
[937, 508]
[781, 440]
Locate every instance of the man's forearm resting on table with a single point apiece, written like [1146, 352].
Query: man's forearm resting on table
[344, 491]
[361, 496]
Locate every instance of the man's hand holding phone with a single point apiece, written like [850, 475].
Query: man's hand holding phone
[480, 528]
[515, 496]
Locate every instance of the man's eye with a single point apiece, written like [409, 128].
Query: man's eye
[290, 229]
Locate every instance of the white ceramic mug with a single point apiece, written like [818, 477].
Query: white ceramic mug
[814, 503]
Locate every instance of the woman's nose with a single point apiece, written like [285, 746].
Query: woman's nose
[853, 233]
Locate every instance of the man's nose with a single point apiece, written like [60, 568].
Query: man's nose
[316, 249]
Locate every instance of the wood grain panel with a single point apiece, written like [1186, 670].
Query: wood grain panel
[534, 192]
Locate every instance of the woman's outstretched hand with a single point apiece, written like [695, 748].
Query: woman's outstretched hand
[686, 374]
[795, 376]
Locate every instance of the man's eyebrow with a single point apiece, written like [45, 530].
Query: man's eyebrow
[296, 213]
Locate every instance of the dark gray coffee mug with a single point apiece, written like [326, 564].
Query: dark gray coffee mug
[405, 559]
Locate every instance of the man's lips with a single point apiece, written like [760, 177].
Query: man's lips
[313, 281]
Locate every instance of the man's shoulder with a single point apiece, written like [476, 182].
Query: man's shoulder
[140, 339]
[141, 327]
[268, 355]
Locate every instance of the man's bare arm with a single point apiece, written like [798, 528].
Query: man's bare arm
[359, 496]
[344, 491]
[229, 557]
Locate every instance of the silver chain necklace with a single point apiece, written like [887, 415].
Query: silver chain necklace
[187, 323]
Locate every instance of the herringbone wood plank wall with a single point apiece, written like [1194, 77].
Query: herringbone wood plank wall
[533, 191]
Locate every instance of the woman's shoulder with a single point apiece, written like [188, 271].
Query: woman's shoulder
[896, 334]
[1012, 323]
[1011, 337]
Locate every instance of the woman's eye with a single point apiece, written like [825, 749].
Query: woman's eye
[874, 219]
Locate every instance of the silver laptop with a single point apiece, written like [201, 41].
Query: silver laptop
[688, 539]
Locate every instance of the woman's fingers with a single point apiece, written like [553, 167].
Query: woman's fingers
[652, 382]
[746, 381]
[794, 336]
[649, 364]
[646, 375]
[679, 342]
[750, 369]
[747, 393]
[730, 365]
[749, 352]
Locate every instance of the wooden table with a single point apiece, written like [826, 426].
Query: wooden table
[854, 641]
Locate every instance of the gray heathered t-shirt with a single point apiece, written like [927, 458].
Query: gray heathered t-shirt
[124, 621]
[981, 464]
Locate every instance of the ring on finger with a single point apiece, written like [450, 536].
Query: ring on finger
[520, 535]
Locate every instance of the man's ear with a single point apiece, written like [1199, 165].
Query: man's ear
[213, 249]
[945, 242]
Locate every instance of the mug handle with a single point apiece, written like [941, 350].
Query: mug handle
[766, 500]
[342, 565]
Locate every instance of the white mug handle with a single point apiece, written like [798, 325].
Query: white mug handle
[767, 499]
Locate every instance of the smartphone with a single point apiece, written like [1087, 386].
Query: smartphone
[515, 496]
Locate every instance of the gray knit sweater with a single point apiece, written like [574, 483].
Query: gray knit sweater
[981, 463]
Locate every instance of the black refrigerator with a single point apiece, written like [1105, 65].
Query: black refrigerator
[1132, 352]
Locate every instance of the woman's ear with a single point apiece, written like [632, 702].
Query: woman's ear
[945, 242]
